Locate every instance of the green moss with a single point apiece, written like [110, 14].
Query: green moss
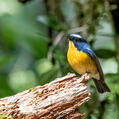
[2, 116]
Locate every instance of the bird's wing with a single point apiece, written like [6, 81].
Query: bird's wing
[89, 52]
[86, 49]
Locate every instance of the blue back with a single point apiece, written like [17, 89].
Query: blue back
[83, 46]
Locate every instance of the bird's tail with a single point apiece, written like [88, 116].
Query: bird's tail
[101, 86]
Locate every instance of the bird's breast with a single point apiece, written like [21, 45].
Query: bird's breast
[80, 61]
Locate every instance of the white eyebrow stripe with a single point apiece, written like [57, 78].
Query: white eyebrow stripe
[76, 35]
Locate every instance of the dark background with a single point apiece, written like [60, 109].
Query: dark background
[33, 46]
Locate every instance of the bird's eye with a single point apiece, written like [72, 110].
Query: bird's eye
[77, 39]
[72, 38]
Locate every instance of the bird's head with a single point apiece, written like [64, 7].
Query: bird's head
[76, 38]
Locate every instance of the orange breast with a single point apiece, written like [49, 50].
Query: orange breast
[80, 61]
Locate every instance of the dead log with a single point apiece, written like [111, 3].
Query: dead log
[58, 99]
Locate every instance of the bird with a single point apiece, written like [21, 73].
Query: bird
[83, 60]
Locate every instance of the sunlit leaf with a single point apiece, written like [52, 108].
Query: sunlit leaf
[43, 66]
[109, 65]
[21, 80]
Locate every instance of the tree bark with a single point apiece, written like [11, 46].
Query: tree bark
[58, 99]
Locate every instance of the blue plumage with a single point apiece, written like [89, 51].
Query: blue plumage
[83, 46]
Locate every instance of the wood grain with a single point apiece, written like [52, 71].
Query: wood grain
[58, 99]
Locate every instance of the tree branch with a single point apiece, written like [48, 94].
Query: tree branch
[55, 100]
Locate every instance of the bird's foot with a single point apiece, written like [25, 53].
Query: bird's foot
[85, 77]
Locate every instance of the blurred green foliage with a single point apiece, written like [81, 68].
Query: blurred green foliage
[33, 47]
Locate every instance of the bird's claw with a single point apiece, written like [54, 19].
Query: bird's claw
[85, 77]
